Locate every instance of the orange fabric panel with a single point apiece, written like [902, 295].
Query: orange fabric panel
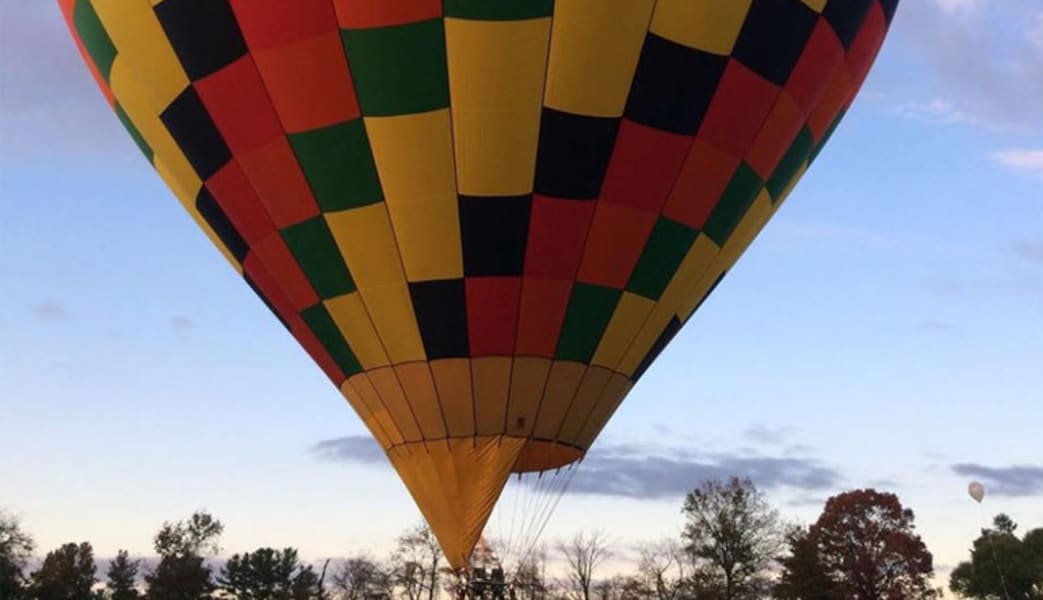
[590, 390]
[615, 391]
[528, 378]
[564, 380]
[368, 395]
[422, 396]
[394, 398]
[453, 381]
[492, 378]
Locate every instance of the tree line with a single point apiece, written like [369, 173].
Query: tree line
[733, 546]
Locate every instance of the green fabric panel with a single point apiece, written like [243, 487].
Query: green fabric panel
[499, 10]
[94, 37]
[742, 190]
[134, 133]
[590, 309]
[321, 324]
[399, 70]
[339, 166]
[312, 245]
[825, 138]
[663, 253]
[790, 164]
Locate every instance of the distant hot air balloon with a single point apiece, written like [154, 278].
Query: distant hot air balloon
[976, 491]
[482, 219]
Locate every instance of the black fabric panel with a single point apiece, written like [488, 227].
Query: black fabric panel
[664, 338]
[716, 282]
[673, 85]
[441, 314]
[204, 34]
[222, 226]
[889, 7]
[494, 232]
[573, 154]
[846, 18]
[773, 37]
[194, 131]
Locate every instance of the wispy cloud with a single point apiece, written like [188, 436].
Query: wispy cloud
[832, 233]
[182, 324]
[353, 448]
[1025, 161]
[51, 312]
[1015, 480]
[763, 434]
[1030, 251]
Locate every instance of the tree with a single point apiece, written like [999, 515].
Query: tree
[583, 554]
[16, 547]
[182, 573]
[803, 575]
[529, 579]
[415, 563]
[867, 543]
[1001, 565]
[362, 578]
[269, 574]
[122, 575]
[66, 574]
[735, 533]
[664, 570]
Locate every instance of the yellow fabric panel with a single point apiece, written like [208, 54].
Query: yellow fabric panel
[391, 310]
[368, 396]
[354, 398]
[562, 383]
[141, 41]
[630, 314]
[386, 383]
[751, 224]
[187, 198]
[367, 242]
[590, 390]
[819, 5]
[349, 313]
[617, 389]
[491, 377]
[594, 49]
[453, 382]
[496, 72]
[414, 158]
[428, 471]
[528, 378]
[709, 25]
[420, 392]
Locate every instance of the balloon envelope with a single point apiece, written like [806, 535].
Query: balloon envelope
[483, 220]
[976, 491]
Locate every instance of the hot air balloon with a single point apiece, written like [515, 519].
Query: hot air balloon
[483, 219]
[976, 491]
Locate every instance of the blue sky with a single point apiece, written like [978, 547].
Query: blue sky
[885, 330]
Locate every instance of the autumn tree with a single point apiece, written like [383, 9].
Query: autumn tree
[867, 544]
[16, 547]
[122, 577]
[415, 563]
[362, 578]
[183, 547]
[1002, 565]
[66, 574]
[583, 554]
[735, 534]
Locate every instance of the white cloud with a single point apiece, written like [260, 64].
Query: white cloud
[1035, 32]
[1027, 161]
[959, 6]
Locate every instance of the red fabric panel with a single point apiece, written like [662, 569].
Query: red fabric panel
[867, 43]
[284, 269]
[557, 234]
[239, 104]
[617, 236]
[492, 314]
[277, 178]
[543, 305]
[738, 109]
[271, 23]
[703, 178]
[318, 353]
[362, 14]
[776, 136]
[238, 200]
[823, 54]
[643, 167]
[834, 98]
[264, 281]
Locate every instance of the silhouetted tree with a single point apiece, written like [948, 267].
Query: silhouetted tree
[529, 578]
[803, 575]
[269, 574]
[867, 543]
[16, 547]
[182, 573]
[665, 570]
[66, 574]
[122, 575]
[362, 578]
[415, 563]
[999, 552]
[583, 554]
[735, 533]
